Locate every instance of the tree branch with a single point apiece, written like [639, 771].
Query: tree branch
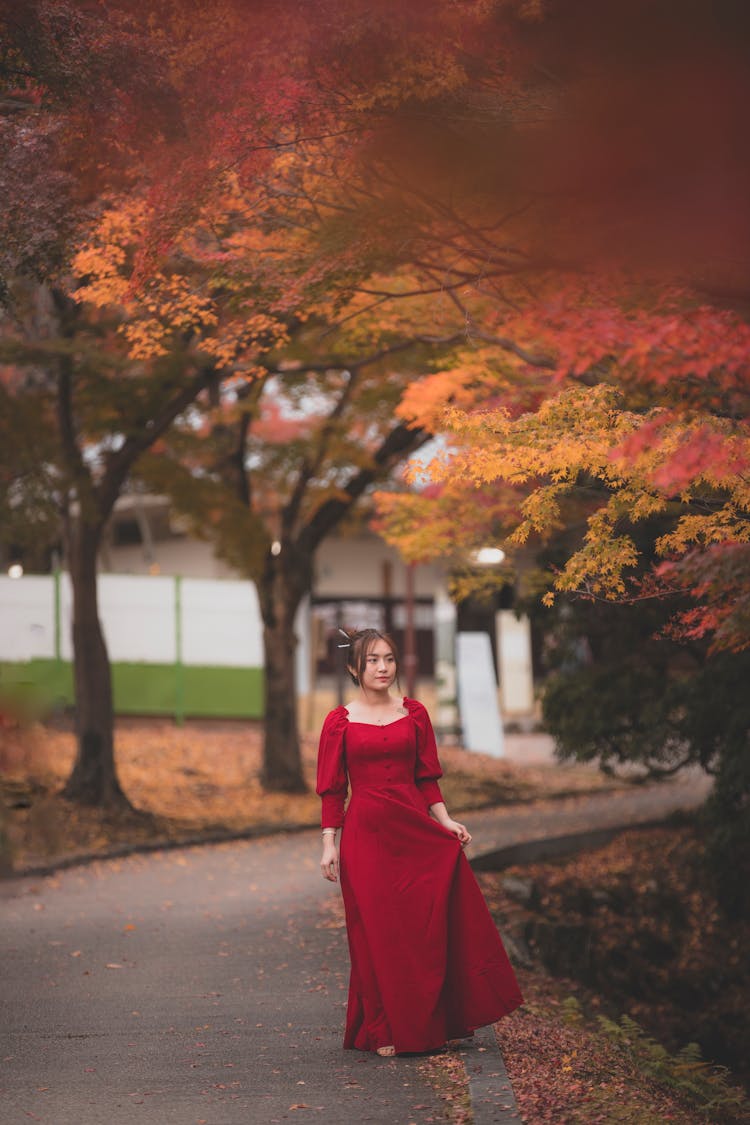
[657, 773]
[334, 364]
[399, 443]
[121, 462]
[629, 599]
[79, 471]
[237, 460]
[311, 466]
[504, 342]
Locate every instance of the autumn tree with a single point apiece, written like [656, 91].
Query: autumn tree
[278, 469]
[588, 226]
[73, 82]
[94, 102]
[90, 420]
[382, 136]
[97, 105]
[242, 319]
[627, 472]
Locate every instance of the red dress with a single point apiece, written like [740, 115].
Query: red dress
[427, 963]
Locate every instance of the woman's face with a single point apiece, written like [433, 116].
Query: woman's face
[380, 667]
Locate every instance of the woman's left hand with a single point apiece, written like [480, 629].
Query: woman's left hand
[459, 830]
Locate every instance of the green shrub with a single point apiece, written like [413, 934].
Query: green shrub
[703, 1083]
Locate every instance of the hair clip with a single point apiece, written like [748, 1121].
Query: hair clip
[348, 639]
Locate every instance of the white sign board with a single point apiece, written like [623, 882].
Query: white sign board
[514, 660]
[477, 695]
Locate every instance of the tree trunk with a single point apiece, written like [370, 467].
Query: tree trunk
[6, 852]
[94, 777]
[281, 589]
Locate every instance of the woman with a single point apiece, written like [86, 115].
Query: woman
[427, 963]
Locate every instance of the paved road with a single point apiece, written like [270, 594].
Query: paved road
[207, 986]
[203, 985]
[497, 828]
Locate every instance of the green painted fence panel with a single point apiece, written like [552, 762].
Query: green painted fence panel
[231, 692]
[141, 689]
[37, 685]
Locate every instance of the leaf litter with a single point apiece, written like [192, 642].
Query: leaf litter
[203, 780]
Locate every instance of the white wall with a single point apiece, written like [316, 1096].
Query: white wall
[221, 624]
[190, 557]
[353, 567]
[27, 617]
[137, 616]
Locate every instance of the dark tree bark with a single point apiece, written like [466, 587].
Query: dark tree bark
[286, 579]
[94, 778]
[6, 852]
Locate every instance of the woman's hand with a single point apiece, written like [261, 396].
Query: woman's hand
[329, 862]
[459, 830]
[443, 817]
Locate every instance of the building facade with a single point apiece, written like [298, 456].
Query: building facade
[185, 635]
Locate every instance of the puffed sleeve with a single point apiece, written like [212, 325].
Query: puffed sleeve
[331, 785]
[427, 769]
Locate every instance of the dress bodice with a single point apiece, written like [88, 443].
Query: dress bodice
[381, 755]
[368, 756]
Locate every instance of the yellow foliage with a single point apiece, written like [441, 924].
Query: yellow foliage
[178, 302]
[411, 78]
[583, 441]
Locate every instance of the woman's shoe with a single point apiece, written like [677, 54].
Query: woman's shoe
[386, 1052]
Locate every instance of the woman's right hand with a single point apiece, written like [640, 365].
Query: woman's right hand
[329, 863]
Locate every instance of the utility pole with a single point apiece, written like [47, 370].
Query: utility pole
[410, 643]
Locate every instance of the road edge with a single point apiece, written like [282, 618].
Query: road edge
[493, 1101]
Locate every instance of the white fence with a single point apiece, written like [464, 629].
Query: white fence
[153, 625]
[149, 619]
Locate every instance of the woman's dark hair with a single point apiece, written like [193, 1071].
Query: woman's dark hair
[360, 643]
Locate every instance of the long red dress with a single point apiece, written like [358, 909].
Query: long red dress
[427, 963]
